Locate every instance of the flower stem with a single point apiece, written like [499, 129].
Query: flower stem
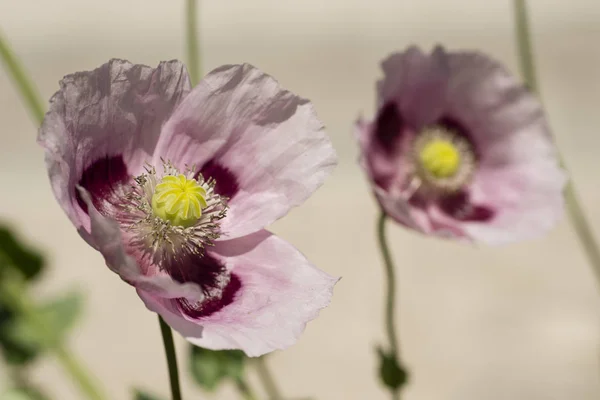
[76, 370]
[167, 336]
[245, 389]
[391, 296]
[193, 56]
[391, 284]
[19, 77]
[267, 379]
[14, 294]
[574, 209]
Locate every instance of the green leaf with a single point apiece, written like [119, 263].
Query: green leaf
[56, 317]
[14, 350]
[22, 394]
[210, 368]
[27, 261]
[62, 313]
[391, 373]
[140, 394]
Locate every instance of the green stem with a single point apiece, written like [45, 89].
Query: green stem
[390, 324]
[19, 77]
[193, 57]
[167, 336]
[391, 285]
[267, 379]
[574, 208]
[76, 370]
[245, 389]
[525, 48]
[13, 292]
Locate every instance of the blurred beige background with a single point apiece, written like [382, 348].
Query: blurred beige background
[518, 322]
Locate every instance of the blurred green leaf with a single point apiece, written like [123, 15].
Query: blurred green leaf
[62, 313]
[14, 350]
[391, 373]
[30, 263]
[57, 318]
[210, 368]
[143, 395]
[22, 394]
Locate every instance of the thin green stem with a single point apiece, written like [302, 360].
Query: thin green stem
[167, 336]
[22, 82]
[245, 390]
[267, 379]
[76, 370]
[390, 324]
[574, 208]
[193, 56]
[14, 294]
[525, 49]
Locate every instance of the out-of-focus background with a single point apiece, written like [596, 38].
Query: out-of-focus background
[517, 322]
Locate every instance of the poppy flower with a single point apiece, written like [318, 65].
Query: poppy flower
[459, 148]
[174, 186]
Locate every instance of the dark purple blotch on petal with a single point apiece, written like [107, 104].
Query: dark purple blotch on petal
[388, 126]
[455, 126]
[459, 207]
[215, 304]
[203, 270]
[227, 184]
[102, 179]
[207, 272]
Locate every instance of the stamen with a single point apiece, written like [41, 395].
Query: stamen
[443, 159]
[174, 217]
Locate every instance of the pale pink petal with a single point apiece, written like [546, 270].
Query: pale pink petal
[526, 199]
[172, 315]
[416, 83]
[106, 236]
[399, 209]
[280, 292]
[265, 146]
[116, 110]
[505, 120]
[518, 177]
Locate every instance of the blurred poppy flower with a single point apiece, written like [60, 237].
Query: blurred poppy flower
[460, 148]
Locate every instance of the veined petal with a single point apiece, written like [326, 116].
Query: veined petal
[115, 111]
[280, 291]
[265, 146]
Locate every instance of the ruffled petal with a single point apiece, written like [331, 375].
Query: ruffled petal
[526, 199]
[106, 236]
[416, 83]
[115, 111]
[502, 117]
[280, 291]
[265, 147]
[519, 179]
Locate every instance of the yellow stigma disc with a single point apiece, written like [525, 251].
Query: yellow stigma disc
[440, 157]
[179, 200]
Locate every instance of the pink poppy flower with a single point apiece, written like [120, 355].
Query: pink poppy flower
[174, 186]
[460, 148]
